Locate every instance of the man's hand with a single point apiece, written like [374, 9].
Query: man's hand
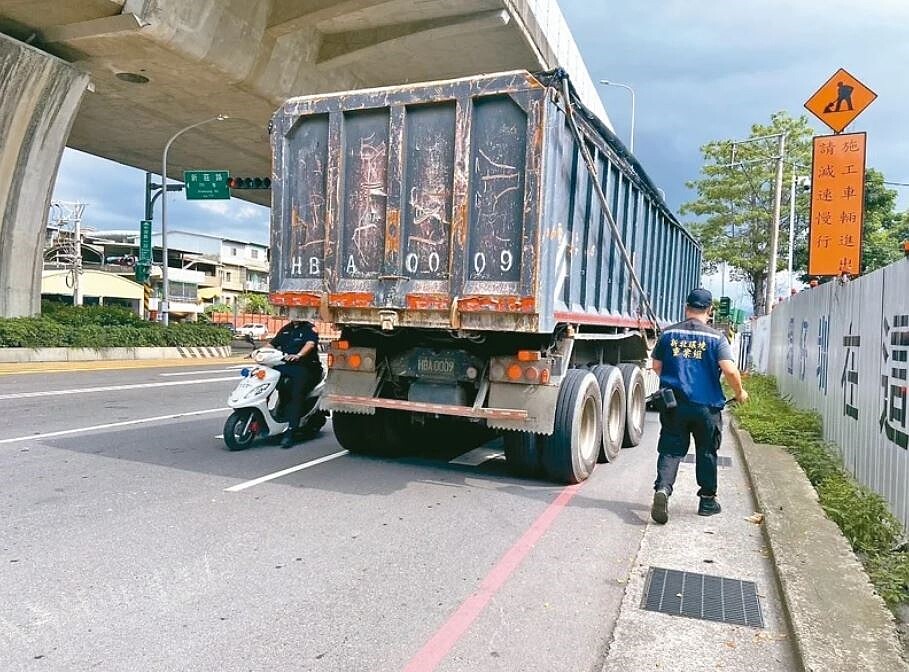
[291, 358]
[742, 397]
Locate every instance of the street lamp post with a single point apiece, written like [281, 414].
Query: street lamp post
[165, 298]
[797, 180]
[607, 82]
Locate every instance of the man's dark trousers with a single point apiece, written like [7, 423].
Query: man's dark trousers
[301, 379]
[678, 426]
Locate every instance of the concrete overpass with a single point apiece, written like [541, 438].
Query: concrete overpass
[116, 78]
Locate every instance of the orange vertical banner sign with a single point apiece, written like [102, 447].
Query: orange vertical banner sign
[837, 204]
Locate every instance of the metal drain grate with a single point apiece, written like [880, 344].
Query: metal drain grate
[711, 598]
[721, 460]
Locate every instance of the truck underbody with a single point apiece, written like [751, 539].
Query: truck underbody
[561, 401]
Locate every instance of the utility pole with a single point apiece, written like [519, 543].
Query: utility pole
[780, 158]
[775, 230]
[71, 214]
[797, 180]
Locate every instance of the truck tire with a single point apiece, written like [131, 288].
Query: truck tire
[384, 434]
[355, 432]
[401, 437]
[635, 404]
[612, 390]
[570, 454]
[523, 453]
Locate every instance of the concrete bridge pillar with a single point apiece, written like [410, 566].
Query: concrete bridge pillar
[39, 98]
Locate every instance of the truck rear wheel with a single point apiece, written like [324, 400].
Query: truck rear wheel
[635, 404]
[523, 452]
[570, 455]
[355, 432]
[612, 390]
[368, 434]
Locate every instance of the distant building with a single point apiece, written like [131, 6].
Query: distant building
[202, 269]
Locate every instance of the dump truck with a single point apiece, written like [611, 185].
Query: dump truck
[494, 258]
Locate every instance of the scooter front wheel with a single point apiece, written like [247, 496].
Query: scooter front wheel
[240, 429]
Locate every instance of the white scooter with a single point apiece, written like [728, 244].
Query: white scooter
[258, 411]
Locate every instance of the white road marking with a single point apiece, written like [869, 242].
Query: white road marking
[109, 425]
[219, 436]
[284, 472]
[478, 456]
[112, 388]
[197, 372]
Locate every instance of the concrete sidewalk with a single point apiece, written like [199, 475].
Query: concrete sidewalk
[726, 545]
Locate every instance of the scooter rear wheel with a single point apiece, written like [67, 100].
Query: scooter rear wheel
[239, 429]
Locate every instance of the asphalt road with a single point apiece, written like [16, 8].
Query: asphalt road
[121, 547]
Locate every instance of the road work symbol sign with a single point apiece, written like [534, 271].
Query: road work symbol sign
[837, 204]
[840, 100]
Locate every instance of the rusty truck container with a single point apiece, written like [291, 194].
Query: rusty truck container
[465, 204]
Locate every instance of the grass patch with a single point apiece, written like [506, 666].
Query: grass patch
[860, 513]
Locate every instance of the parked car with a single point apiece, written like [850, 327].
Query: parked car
[252, 329]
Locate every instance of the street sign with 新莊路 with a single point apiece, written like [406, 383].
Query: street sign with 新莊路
[206, 185]
[145, 242]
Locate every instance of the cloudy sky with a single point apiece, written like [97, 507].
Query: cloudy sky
[701, 70]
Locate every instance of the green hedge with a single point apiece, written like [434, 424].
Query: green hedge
[101, 327]
[862, 515]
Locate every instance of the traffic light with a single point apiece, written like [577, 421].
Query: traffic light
[143, 271]
[725, 308]
[249, 183]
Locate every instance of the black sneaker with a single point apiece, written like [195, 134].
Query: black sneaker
[709, 506]
[659, 511]
[287, 441]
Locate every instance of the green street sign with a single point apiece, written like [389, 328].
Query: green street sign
[145, 242]
[206, 185]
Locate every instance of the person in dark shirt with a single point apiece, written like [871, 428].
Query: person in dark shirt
[300, 342]
[689, 357]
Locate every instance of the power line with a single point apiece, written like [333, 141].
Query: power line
[897, 184]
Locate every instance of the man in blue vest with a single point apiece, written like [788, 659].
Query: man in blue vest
[689, 358]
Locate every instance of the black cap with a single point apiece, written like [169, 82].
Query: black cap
[700, 298]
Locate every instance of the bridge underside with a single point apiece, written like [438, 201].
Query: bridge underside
[156, 66]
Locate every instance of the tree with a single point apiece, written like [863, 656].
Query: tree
[217, 308]
[735, 202]
[255, 303]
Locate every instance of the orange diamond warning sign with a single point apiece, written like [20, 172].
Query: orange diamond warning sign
[840, 100]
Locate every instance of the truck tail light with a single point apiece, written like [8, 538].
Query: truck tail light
[341, 355]
[528, 355]
[536, 371]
